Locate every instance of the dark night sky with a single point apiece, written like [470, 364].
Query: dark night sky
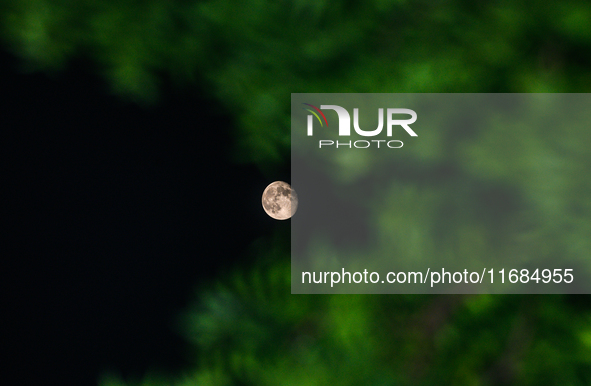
[115, 213]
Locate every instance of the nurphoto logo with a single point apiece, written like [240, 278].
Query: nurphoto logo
[392, 114]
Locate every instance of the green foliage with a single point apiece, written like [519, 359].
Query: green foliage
[254, 54]
[251, 331]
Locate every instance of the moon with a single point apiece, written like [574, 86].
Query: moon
[280, 201]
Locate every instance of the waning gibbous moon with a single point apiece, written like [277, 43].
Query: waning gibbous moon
[280, 201]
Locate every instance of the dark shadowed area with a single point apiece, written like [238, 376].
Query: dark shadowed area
[115, 213]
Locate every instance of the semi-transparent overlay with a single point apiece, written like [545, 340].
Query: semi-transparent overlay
[492, 193]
